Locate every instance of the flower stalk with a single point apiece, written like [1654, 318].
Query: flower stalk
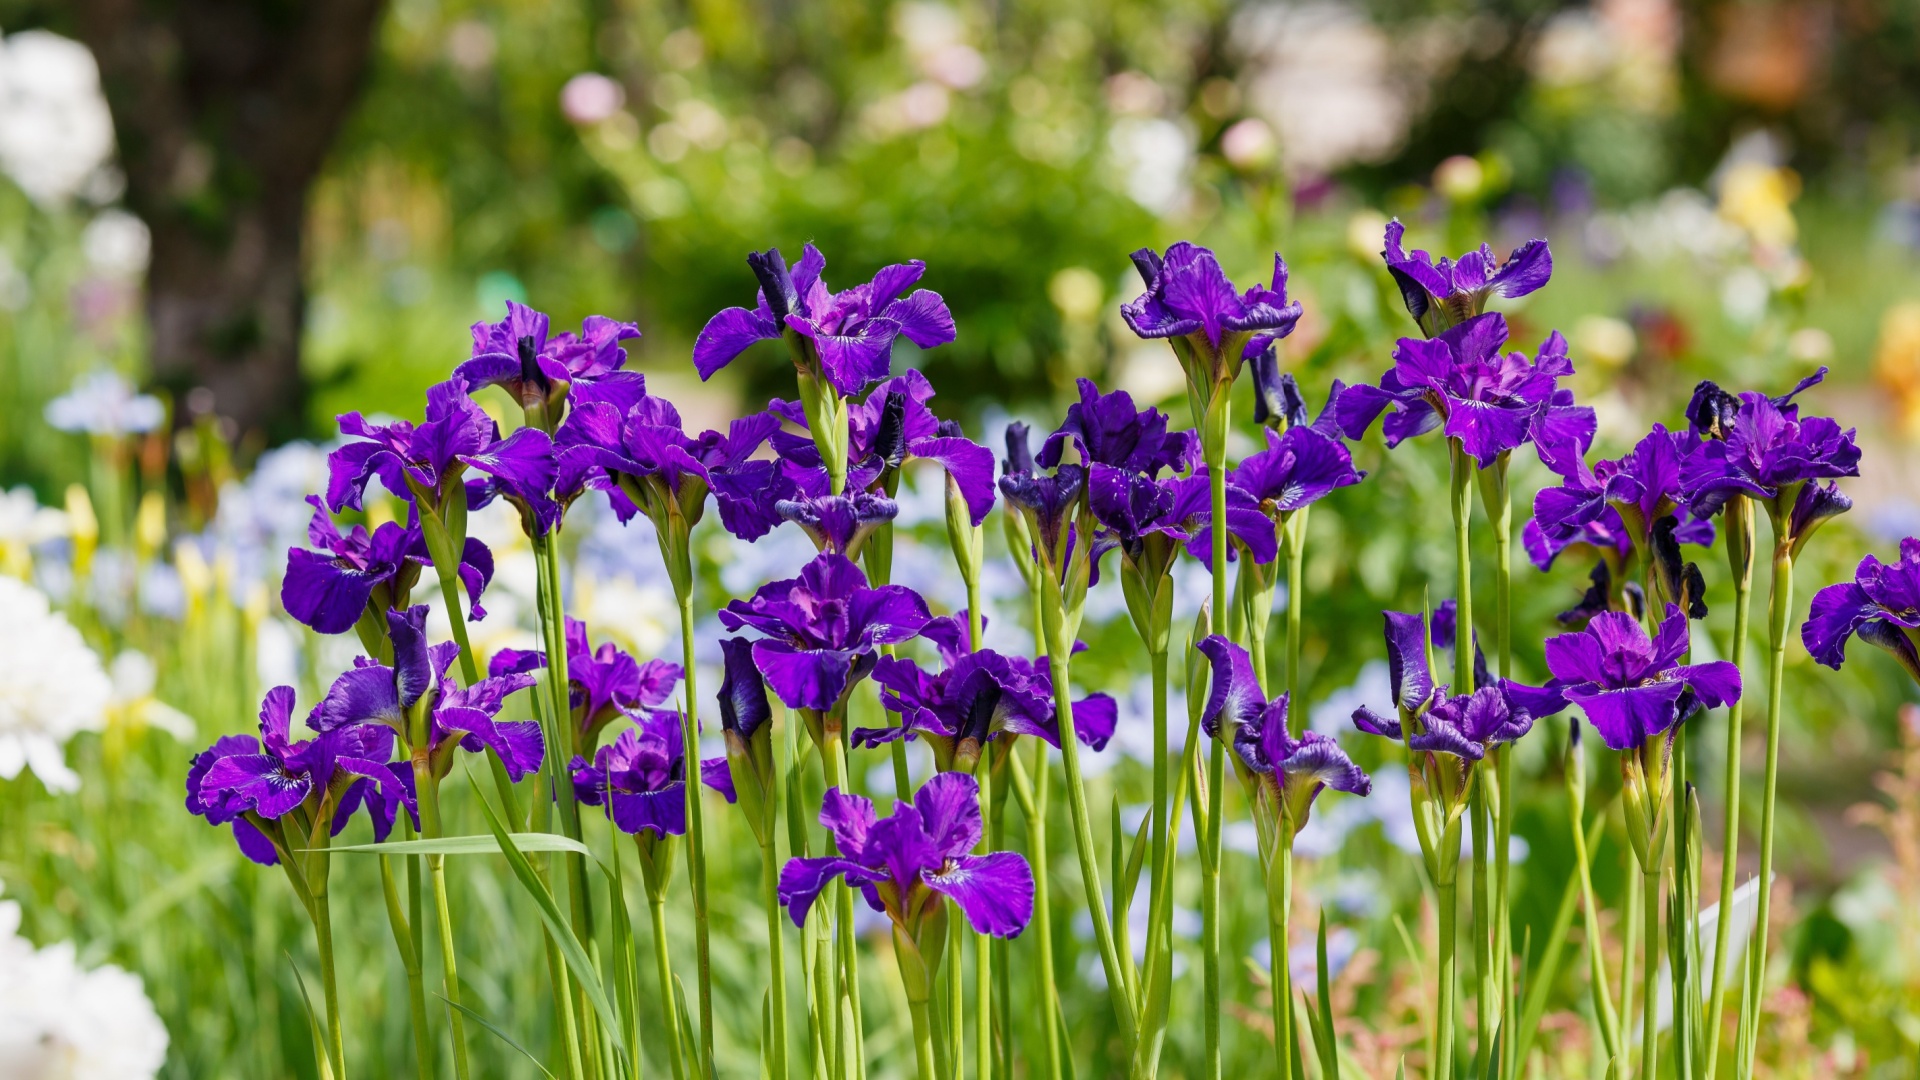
[1737, 521]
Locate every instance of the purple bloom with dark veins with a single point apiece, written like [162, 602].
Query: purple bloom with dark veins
[1277, 401]
[1633, 688]
[1431, 720]
[541, 370]
[890, 429]
[1449, 292]
[652, 465]
[839, 524]
[1213, 326]
[849, 333]
[1133, 508]
[1768, 454]
[905, 863]
[356, 572]
[1491, 401]
[1107, 430]
[975, 697]
[822, 629]
[457, 717]
[252, 784]
[1047, 500]
[1298, 468]
[1291, 772]
[1881, 604]
[608, 683]
[411, 461]
[641, 777]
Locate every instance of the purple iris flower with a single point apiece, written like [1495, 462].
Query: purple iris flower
[1492, 402]
[891, 428]
[1433, 721]
[1299, 467]
[743, 693]
[1768, 454]
[822, 629]
[1292, 772]
[411, 461]
[541, 369]
[456, 717]
[1881, 604]
[1633, 688]
[1106, 430]
[358, 571]
[651, 464]
[641, 777]
[1445, 293]
[1132, 508]
[252, 784]
[1047, 500]
[839, 524]
[851, 333]
[904, 863]
[606, 682]
[1190, 300]
[1277, 401]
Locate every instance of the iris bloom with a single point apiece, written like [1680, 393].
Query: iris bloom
[1634, 688]
[839, 524]
[1773, 456]
[413, 462]
[606, 683]
[1492, 402]
[1106, 431]
[255, 783]
[358, 572]
[848, 335]
[1448, 292]
[1212, 327]
[822, 629]
[1881, 605]
[1290, 772]
[417, 697]
[906, 863]
[1298, 468]
[539, 369]
[641, 777]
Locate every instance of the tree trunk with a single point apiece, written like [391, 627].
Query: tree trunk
[224, 111]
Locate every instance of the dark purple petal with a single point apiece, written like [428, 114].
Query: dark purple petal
[994, 891]
[1837, 613]
[254, 844]
[1627, 718]
[743, 693]
[1407, 659]
[1234, 695]
[727, 335]
[1715, 683]
[850, 818]
[663, 810]
[802, 881]
[362, 695]
[1374, 724]
[325, 595]
[949, 805]
[718, 775]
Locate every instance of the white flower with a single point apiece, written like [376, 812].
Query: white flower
[133, 678]
[59, 1021]
[51, 687]
[25, 525]
[55, 129]
[104, 403]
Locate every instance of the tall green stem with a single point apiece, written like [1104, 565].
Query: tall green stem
[1498, 500]
[834, 762]
[329, 985]
[922, 1040]
[564, 736]
[1279, 917]
[1215, 450]
[663, 970]
[1737, 519]
[406, 938]
[1295, 534]
[776, 954]
[1608, 1020]
[696, 833]
[428, 789]
[1649, 1026]
[1779, 623]
[1630, 923]
[1485, 1007]
[1460, 486]
[1038, 855]
[1442, 1066]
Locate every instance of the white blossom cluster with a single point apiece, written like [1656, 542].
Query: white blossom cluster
[52, 687]
[60, 1021]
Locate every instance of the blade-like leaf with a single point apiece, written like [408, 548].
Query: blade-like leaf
[1540, 983]
[1323, 1034]
[497, 1033]
[570, 948]
[470, 845]
[322, 1060]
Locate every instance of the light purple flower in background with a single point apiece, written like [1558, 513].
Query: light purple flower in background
[1189, 299]
[1492, 402]
[1292, 772]
[249, 782]
[641, 777]
[851, 332]
[105, 403]
[1881, 605]
[331, 588]
[1449, 292]
[459, 717]
[822, 629]
[1634, 688]
[906, 863]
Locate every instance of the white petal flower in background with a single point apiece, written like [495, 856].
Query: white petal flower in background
[24, 526]
[52, 687]
[55, 129]
[105, 403]
[133, 676]
[60, 1021]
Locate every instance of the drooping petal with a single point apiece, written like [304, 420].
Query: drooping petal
[727, 335]
[1837, 612]
[321, 593]
[1628, 717]
[1234, 695]
[994, 891]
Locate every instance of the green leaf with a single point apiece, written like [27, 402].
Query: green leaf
[471, 845]
[497, 1033]
[323, 1061]
[557, 927]
[1323, 1036]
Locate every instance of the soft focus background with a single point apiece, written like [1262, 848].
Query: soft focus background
[222, 222]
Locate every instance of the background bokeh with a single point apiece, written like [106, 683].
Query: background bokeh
[1731, 189]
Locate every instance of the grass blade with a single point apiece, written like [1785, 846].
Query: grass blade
[469, 845]
[497, 1033]
[321, 1060]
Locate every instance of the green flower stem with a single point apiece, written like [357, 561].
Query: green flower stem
[922, 1040]
[1279, 916]
[1596, 960]
[663, 970]
[982, 943]
[696, 833]
[834, 762]
[1123, 1005]
[1629, 948]
[1779, 624]
[1442, 1066]
[1215, 433]
[1497, 499]
[1649, 1014]
[1737, 519]
[1042, 900]
[1294, 533]
[1460, 486]
[1485, 1007]
[406, 938]
[446, 566]
[329, 985]
[429, 794]
[776, 952]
